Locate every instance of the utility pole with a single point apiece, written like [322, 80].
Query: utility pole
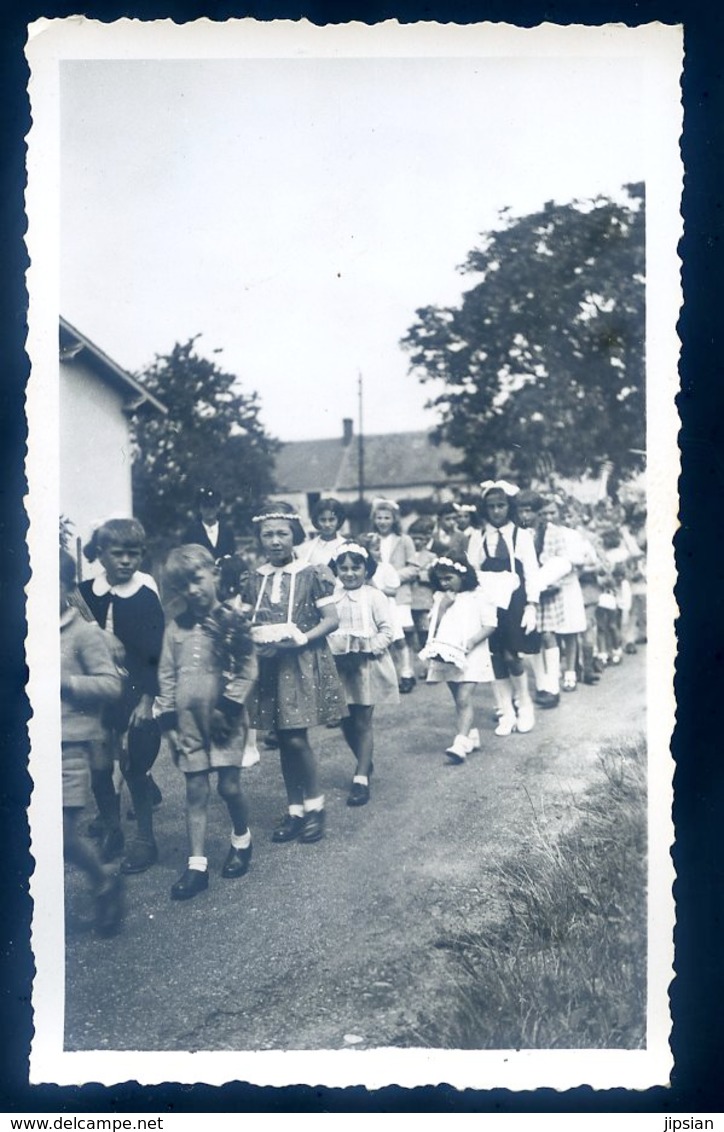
[360, 443]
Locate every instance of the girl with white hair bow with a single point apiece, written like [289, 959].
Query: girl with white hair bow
[509, 572]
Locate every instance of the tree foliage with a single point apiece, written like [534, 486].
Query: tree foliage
[542, 364]
[211, 436]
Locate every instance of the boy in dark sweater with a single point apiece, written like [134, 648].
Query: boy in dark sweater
[125, 602]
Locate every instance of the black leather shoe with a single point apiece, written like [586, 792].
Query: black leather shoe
[112, 845]
[140, 856]
[313, 826]
[237, 862]
[288, 829]
[407, 683]
[190, 884]
[547, 699]
[359, 794]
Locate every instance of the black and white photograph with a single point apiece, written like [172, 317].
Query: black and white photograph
[352, 480]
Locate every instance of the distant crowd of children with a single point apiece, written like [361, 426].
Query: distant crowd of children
[528, 593]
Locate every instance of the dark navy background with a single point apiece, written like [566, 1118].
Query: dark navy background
[698, 1080]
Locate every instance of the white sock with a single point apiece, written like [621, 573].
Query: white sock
[314, 805]
[296, 811]
[240, 840]
[553, 669]
[362, 779]
[539, 672]
[199, 864]
[520, 690]
[503, 695]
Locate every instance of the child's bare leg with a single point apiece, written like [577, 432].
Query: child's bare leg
[463, 697]
[602, 643]
[291, 771]
[418, 616]
[229, 788]
[569, 647]
[239, 856]
[109, 808]
[362, 716]
[407, 672]
[197, 801]
[79, 851]
[299, 766]
[349, 730]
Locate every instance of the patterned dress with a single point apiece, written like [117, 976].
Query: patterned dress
[297, 687]
[561, 608]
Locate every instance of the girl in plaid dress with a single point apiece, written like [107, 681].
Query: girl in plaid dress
[563, 614]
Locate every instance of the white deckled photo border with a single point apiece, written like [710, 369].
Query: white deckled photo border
[659, 49]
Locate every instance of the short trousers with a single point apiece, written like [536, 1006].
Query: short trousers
[76, 763]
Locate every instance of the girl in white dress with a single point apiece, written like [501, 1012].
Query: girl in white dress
[461, 620]
[328, 515]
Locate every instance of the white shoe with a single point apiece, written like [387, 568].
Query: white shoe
[474, 739]
[459, 749]
[250, 757]
[526, 718]
[507, 724]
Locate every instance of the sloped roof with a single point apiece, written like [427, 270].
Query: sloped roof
[72, 343]
[391, 460]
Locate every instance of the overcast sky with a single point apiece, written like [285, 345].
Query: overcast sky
[296, 212]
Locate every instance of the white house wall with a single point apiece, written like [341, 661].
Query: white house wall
[95, 456]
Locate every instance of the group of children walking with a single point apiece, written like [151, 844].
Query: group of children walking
[321, 632]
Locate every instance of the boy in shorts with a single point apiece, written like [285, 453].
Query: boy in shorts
[206, 671]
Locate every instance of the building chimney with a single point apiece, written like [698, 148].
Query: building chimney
[347, 431]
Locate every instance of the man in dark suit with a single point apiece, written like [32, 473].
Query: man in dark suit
[209, 529]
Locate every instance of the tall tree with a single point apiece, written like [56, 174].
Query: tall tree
[211, 435]
[542, 364]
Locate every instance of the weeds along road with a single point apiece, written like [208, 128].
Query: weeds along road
[332, 945]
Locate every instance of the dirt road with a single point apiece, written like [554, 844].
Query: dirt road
[329, 945]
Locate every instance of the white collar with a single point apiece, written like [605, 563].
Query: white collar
[506, 529]
[101, 585]
[292, 567]
[353, 595]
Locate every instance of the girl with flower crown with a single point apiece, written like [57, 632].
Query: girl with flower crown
[292, 613]
[461, 620]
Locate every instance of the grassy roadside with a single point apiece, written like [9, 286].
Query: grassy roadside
[564, 966]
